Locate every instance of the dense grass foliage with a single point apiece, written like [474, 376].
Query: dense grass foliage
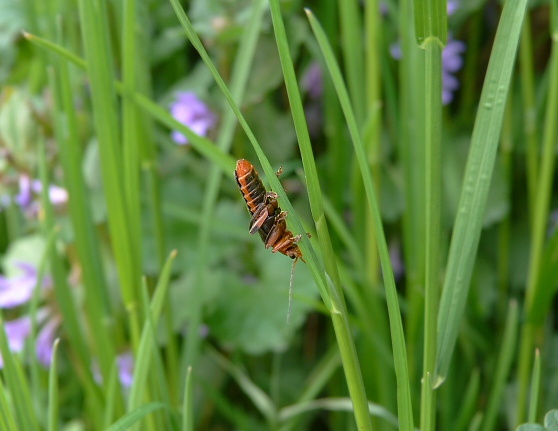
[417, 141]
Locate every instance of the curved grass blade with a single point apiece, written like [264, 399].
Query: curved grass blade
[131, 418]
[474, 194]
[398, 337]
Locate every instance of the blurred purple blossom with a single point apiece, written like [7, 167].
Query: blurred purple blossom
[192, 112]
[27, 188]
[45, 340]
[17, 331]
[125, 364]
[312, 81]
[452, 62]
[18, 290]
[453, 5]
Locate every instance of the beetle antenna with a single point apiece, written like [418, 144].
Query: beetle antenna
[291, 290]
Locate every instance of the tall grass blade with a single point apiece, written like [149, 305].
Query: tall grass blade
[398, 338]
[480, 164]
[53, 398]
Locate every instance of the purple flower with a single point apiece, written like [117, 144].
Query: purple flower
[312, 81]
[27, 188]
[451, 63]
[192, 112]
[17, 331]
[125, 364]
[18, 290]
[45, 340]
[453, 5]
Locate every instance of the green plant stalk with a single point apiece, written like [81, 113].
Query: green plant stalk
[340, 323]
[188, 404]
[7, 420]
[535, 388]
[99, 61]
[503, 368]
[86, 242]
[20, 395]
[544, 190]
[433, 187]
[68, 309]
[411, 148]
[131, 138]
[476, 182]
[239, 79]
[469, 403]
[396, 326]
[529, 109]
[372, 127]
[352, 49]
[506, 152]
[53, 407]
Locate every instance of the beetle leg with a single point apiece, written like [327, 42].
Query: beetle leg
[263, 211]
[276, 232]
[279, 172]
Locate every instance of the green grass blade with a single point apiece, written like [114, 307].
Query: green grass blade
[7, 419]
[484, 145]
[188, 404]
[433, 186]
[398, 338]
[127, 421]
[309, 253]
[240, 75]
[53, 399]
[95, 36]
[131, 138]
[503, 368]
[147, 341]
[17, 385]
[258, 397]
[431, 21]
[536, 289]
[535, 388]
[205, 147]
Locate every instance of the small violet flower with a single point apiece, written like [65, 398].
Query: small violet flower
[27, 188]
[17, 331]
[192, 112]
[125, 364]
[16, 291]
[312, 81]
[451, 63]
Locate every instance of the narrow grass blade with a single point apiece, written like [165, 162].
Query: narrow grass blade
[503, 368]
[258, 397]
[469, 403]
[480, 164]
[535, 388]
[239, 80]
[53, 399]
[188, 404]
[199, 143]
[144, 354]
[7, 419]
[431, 21]
[398, 338]
[127, 421]
[17, 386]
[545, 182]
[309, 253]
[336, 404]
